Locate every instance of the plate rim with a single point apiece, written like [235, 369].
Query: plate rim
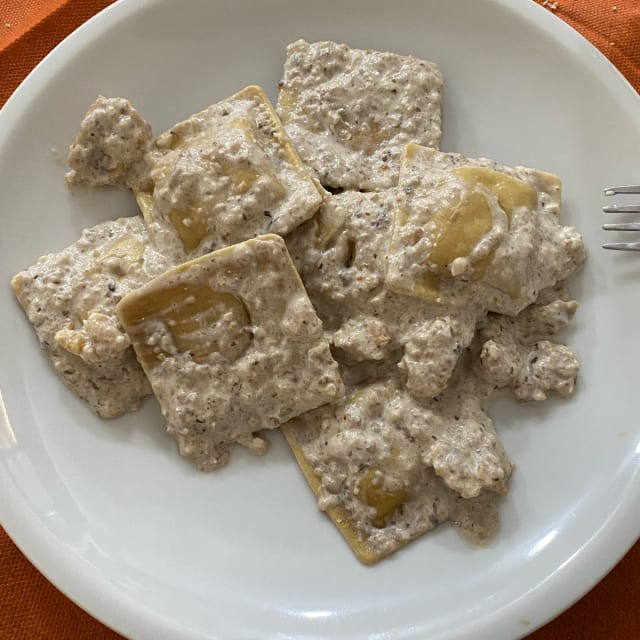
[81, 583]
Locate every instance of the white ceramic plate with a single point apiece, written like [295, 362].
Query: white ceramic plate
[143, 541]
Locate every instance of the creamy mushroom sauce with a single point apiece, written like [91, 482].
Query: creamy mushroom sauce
[439, 287]
[518, 352]
[70, 298]
[402, 465]
[340, 255]
[110, 146]
[403, 410]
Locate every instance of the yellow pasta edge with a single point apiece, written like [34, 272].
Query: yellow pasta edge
[343, 520]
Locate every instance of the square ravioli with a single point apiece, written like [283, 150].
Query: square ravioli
[231, 345]
[350, 112]
[473, 232]
[70, 299]
[226, 174]
[387, 468]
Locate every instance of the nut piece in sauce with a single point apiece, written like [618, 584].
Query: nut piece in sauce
[70, 298]
[470, 230]
[231, 345]
[351, 111]
[110, 146]
[519, 353]
[226, 174]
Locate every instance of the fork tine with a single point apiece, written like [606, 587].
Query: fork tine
[612, 191]
[624, 226]
[622, 246]
[614, 208]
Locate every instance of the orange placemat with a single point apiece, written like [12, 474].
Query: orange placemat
[29, 29]
[30, 607]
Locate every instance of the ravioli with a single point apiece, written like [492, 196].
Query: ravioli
[387, 468]
[231, 346]
[70, 299]
[472, 230]
[350, 112]
[226, 174]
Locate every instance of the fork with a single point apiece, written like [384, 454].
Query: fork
[622, 226]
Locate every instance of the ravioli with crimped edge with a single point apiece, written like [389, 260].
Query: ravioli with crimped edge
[223, 175]
[468, 230]
[231, 346]
[350, 111]
[387, 468]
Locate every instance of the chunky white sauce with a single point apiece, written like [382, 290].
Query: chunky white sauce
[419, 343]
[341, 257]
[436, 279]
[70, 298]
[110, 147]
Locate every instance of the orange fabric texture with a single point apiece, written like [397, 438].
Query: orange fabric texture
[613, 26]
[31, 28]
[19, 17]
[30, 607]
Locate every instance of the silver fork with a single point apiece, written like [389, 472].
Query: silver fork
[622, 226]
